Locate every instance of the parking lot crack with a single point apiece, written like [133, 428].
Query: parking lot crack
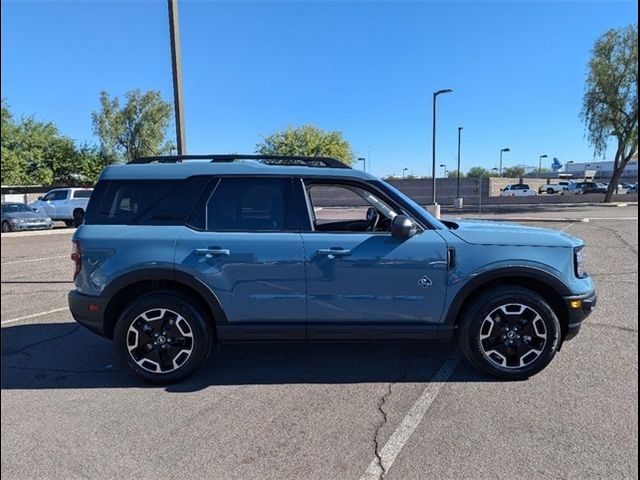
[621, 238]
[40, 342]
[63, 370]
[376, 442]
[382, 469]
[608, 325]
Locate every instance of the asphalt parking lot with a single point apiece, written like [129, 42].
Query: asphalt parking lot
[320, 410]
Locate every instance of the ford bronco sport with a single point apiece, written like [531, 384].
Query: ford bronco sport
[177, 253]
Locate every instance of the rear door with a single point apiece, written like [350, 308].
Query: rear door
[243, 243]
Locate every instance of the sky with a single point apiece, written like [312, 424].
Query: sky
[367, 69]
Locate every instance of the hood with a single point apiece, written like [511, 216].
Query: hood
[480, 232]
[25, 215]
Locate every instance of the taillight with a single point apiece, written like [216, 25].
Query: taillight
[76, 256]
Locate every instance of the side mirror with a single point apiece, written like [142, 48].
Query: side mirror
[40, 198]
[403, 227]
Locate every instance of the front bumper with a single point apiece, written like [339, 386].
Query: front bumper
[579, 307]
[88, 311]
[32, 226]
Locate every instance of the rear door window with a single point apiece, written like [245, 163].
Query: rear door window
[249, 205]
[82, 193]
[144, 202]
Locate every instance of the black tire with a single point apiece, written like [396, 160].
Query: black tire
[69, 223]
[493, 355]
[550, 191]
[78, 217]
[130, 326]
[6, 227]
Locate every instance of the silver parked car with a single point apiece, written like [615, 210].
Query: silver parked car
[20, 216]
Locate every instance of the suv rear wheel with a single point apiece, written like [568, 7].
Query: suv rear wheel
[162, 338]
[510, 333]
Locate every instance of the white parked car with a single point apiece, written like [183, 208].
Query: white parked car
[517, 190]
[66, 204]
[552, 188]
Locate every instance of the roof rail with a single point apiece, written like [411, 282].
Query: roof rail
[288, 160]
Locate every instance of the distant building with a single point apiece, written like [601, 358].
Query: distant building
[601, 169]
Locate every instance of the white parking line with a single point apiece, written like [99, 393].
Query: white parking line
[412, 419]
[13, 262]
[26, 317]
[609, 219]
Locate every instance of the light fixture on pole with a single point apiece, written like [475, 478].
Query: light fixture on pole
[364, 163]
[501, 152]
[403, 171]
[540, 164]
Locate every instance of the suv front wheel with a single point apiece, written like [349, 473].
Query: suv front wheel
[510, 333]
[162, 338]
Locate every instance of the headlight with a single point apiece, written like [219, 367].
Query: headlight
[17, 220]
[580, 262]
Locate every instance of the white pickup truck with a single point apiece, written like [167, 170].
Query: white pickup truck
[66, 204]
[551, 188]
[517, 190]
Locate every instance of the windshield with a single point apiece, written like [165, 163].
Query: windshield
[15, 207]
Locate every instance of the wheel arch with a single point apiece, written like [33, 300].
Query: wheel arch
[141, 282]
[548, 286]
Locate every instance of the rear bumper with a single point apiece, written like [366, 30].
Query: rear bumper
[88, 311]
[579, 307]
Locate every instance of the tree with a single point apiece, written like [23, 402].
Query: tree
[454, 174]
[307, 140]
[514, 172]
[540, 171]
[35, 152]
[478, 172]
[134, 130]
[610, 103]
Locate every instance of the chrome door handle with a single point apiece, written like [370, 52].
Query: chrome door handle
[213, 251]
[334, 252]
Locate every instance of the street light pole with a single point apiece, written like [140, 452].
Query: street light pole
[501, 152]
[176, 67]
[458, 179]
[433, 148]
[364, 163]
[404, 170]
[540, 164]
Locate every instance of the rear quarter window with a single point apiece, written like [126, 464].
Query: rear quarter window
[144, 202]
[82, 193]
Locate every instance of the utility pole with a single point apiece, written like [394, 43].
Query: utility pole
[176, 68]
[501, 152]
[434, 207]
[458, 201]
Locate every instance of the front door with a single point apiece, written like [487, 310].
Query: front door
[244, 245]
[358, 274]
[52, 201]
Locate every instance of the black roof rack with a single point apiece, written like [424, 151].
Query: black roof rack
[288, 160]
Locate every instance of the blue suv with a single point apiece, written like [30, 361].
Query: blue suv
[177, 253]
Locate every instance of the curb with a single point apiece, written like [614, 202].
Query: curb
[39, 233]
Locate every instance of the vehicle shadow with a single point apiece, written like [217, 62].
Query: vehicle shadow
[66, 355]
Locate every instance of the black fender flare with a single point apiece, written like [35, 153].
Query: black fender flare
[478, 281]
[168, 274]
